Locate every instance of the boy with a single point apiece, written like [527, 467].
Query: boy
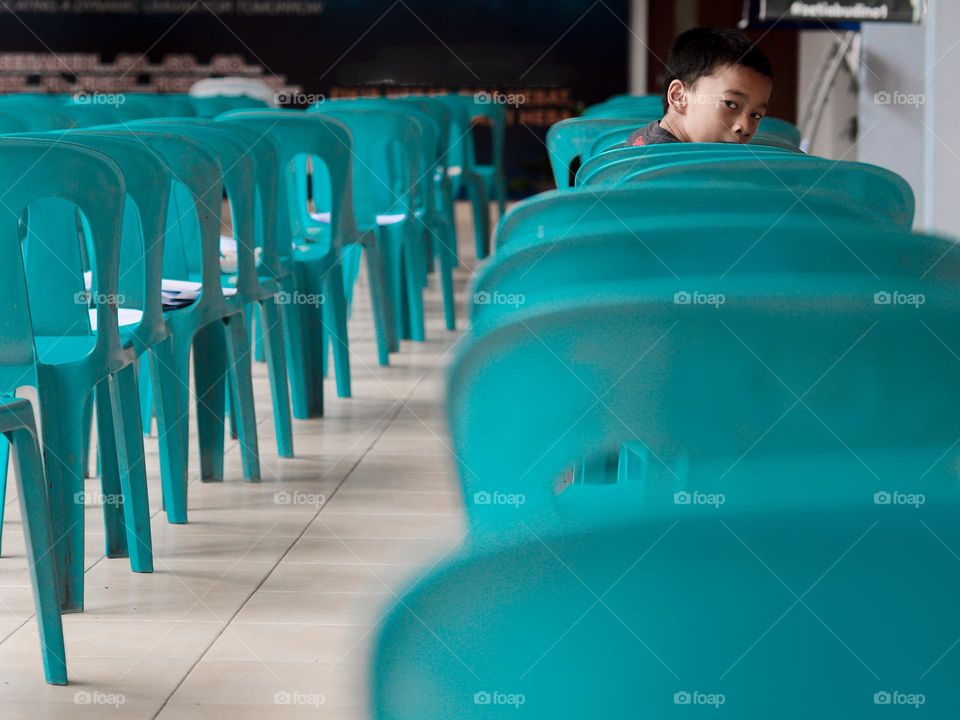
[717, 90]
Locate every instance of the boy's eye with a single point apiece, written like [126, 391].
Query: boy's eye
[730, 104]
[757, 116]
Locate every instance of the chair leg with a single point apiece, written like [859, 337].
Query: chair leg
[62, 454]
[350, 263]
[310, 320]
[209, 374]
[273, 335]
[87, 432]
[501, 196]
[380, 302]
[169, 367]
[4, 455]
[231, 415]
[145, 385]
[335, 321]
[241, 383]
[255, 332]
[295, 348]
[397, 286]
[446, 286]
[113, 518]
[413, 267]
[481, 216]
[125, 401]
[38, 535]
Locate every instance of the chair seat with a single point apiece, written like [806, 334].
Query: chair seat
[60, 349]
[180, 293]
[313, 253]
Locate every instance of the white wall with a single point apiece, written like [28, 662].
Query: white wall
[914, 128]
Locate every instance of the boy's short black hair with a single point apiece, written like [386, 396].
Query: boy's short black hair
[700, 51]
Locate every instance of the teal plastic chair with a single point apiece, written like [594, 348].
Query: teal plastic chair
[784, 238]
[643, 104]
[569, 139]
[559, 214]
[211, 106]
[317, 256]
[71, 359]
[164, 104]
[18, 429]
[461, 165]
[614, 140]
[600, 168]
[793, 174]
[250, 178]
[610, 602]
[494, 175]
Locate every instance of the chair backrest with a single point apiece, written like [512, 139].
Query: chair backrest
[869, 184]
[272, 219]
[239, 181]
[608, 165]
[295, 134]
[642, 104]
[212, 105]
[461, 151]
[687, 615]
[571, 138]
[31, 171]
[192, 229]
[714, 249]
[394, 146]
[495, 113]
[562, 213]
[790, 371]
[73, 115]
[148, 182]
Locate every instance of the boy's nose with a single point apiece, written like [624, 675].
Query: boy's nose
[743, 130]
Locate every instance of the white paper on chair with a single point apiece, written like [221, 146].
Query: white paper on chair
[125, 316]
[186, 290]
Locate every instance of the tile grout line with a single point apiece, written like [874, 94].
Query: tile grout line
[400, 404]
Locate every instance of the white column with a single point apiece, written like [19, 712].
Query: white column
[638, 47]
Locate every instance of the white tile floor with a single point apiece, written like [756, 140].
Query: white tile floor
[265, 604]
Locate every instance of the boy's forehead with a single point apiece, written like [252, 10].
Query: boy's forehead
[739, 79]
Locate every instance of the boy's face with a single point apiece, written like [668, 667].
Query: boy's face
[725, 106]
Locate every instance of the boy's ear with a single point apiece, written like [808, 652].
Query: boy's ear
[677, 97]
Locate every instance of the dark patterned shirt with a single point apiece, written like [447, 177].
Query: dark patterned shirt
[651, 134]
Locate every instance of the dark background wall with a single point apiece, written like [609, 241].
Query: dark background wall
[552, 57]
